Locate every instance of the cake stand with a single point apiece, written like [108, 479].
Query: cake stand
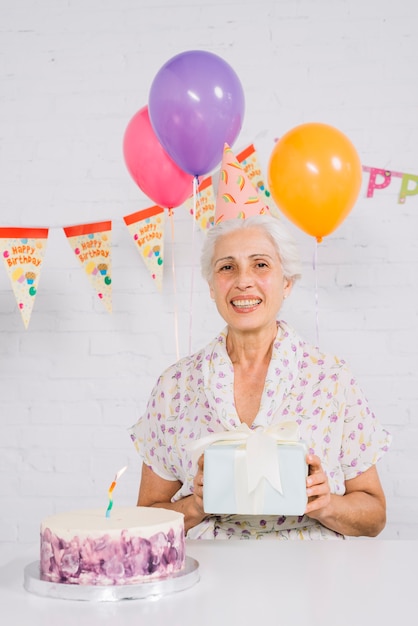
[111, 593]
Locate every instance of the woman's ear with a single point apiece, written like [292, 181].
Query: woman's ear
[287, 287]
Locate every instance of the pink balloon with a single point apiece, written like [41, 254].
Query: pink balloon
[151, 167]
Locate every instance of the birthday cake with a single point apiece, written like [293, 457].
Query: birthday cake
[133, 545]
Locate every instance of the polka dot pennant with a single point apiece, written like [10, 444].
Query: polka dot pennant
[23, 250]
[91, 244]
[146, 228]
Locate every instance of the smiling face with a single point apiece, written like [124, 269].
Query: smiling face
[247, 283]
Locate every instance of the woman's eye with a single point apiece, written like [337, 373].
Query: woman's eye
[225, 268]
[262, 264]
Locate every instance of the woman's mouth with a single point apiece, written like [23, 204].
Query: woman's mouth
[246, 304]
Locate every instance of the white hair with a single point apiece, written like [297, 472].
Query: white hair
[282, 240]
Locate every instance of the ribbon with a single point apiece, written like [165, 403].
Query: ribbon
[256, 456]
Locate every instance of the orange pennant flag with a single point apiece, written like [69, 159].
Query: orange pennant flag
[146, 228]
[205, 204]
[91, 244]
[23, 251]
[248, 159]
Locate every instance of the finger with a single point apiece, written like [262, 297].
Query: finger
[317, 478]
[314, 463]
[317, 490]
[314, 504]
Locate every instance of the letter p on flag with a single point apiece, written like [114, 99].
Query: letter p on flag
[405, 190]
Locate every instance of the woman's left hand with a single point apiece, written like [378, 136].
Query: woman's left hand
[317, 487]
[361, 511]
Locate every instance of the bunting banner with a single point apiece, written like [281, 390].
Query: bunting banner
[250, 163]
[248, 158]
[380, 179]
[91, 244]
[23, 248]
[23, 251]
[205, 204]
[146, 228]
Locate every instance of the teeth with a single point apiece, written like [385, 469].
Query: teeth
[245, 303]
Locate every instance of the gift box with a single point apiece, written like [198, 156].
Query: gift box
[257, 473]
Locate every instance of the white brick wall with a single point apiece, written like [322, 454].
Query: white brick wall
[72, 74]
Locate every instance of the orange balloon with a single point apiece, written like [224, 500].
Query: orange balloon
[314, 175]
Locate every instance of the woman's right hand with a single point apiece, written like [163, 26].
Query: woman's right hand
[158, 492]
[198, 487]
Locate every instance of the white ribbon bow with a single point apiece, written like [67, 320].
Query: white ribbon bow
[261, 451]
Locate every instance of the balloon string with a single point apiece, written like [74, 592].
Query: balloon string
[315, 268]
[195, 187]
[173, 269]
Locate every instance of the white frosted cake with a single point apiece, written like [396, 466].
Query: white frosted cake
[133, 545]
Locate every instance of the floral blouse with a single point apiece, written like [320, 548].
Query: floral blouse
[195, 397]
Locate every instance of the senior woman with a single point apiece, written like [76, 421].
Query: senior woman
[259, 371]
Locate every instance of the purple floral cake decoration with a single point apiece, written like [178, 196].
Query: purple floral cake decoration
[107, 560]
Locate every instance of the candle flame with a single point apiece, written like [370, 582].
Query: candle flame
[120, 472]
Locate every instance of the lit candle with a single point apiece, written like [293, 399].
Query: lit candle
[111, 488]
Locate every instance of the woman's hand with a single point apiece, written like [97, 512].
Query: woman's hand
[198, 486]
[155, 491]
[361, 511]
[317, 487]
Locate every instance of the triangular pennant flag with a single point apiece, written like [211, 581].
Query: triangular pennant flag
[146, 228]
[23, 251]
[205, 204]
[92, 246]
[248, 158]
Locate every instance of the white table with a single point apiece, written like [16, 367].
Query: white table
[318, 583]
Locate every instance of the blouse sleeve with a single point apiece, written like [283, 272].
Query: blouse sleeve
[364, 439]
[152, 432]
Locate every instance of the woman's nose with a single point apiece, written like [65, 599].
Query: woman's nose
[244, 279]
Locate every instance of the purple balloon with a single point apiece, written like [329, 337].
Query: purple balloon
[196, 105]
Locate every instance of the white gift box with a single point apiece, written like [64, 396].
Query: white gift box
[256, 472]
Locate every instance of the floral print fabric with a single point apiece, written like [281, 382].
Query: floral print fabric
[195, 397]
